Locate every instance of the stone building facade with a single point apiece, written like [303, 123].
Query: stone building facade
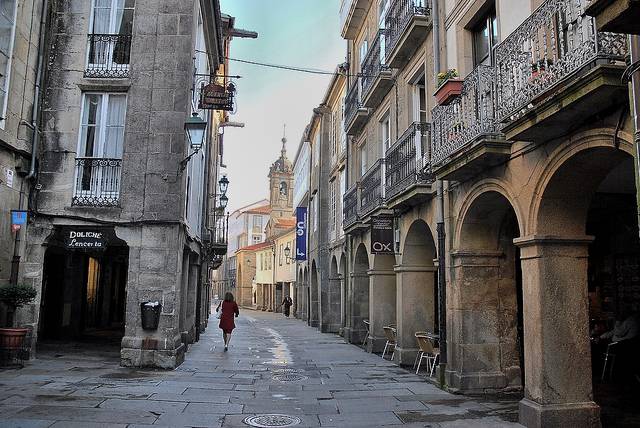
[22, 54]
[511, 190]
[123, 212]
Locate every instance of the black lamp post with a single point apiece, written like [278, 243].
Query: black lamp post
[195, 127]
[223, 183]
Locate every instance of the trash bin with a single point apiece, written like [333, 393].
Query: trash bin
[150, 313]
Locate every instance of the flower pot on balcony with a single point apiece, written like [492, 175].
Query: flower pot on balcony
[450, 89]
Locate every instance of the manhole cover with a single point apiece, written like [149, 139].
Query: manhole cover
[289, 377]
[266, 421]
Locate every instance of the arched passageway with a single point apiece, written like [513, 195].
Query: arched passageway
[314, 297]
[485, 301]
[306, 294]
[580, 267]
[359, 296]
[417, 291]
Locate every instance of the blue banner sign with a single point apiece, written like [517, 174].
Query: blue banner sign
[301, 234]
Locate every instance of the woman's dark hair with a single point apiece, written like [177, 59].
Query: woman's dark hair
[228, 297]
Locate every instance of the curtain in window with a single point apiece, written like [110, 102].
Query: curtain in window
[114, 133]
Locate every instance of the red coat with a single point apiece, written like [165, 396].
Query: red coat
[229, 310]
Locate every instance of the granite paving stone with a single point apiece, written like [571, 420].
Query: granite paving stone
[73, 385]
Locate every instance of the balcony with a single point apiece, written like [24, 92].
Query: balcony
[97, 182]
[407, 170]
[350, 206]
[617, 16]
[376, 76]
[352, 16]
[372, 193]
[215, 241]
[355, 113]
[464, 138]
[556, 69]
[109, 56]
[407, 24]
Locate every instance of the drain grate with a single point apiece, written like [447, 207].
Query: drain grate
[289, 377]
[267, 421]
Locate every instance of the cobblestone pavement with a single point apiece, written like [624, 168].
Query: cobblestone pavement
[274, 366]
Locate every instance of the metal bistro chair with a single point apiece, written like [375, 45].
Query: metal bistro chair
[427, 352]
[390, 334]
[609, 357]
[366, 335]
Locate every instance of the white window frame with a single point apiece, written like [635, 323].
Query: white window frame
[7, 81]
[385, 128]
[112, 30]
[101, 129]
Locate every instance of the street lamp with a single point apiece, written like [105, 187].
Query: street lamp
[223, 184]
[223, 202]
[195, 127]
[287, 253]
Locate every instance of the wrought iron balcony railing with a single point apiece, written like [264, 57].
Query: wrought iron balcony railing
[109, 55]
[407, 161]
[350, 207]
[467, 118]
[372, 194]
[399, 17]
[352, 103]
[373, 63]
[97, 182]
[554, 43]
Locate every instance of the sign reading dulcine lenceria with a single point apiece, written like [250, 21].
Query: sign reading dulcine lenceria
[85, 239]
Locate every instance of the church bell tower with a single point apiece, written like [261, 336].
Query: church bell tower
[281, 184]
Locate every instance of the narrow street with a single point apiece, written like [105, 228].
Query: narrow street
[274, 366]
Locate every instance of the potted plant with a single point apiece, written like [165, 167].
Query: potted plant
[14, 297]
[449, 86]
[539, 67]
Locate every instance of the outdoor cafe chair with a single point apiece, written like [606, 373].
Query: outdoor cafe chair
[427, 352]
[366, 336]
[390, 334]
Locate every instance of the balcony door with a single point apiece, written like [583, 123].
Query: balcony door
[420, 114]
[99, 155]
[110, 36]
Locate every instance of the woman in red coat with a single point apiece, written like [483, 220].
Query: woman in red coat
[229, 310]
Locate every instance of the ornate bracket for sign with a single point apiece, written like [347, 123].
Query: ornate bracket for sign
[215, 92]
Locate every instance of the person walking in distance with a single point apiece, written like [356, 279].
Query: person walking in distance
[286, 303]
[228, 310]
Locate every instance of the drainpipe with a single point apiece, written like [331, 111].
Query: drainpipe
[442, 291]
[634, 47]
[35, 139]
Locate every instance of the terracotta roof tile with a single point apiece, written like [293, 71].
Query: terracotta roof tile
[256, 247]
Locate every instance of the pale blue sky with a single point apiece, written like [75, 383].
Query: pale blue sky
[301, 33]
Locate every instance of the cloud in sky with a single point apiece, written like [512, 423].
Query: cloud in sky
[301, 33]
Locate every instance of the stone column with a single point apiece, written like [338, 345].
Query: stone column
[330, 316]
[415, 308]
[558, 389]
[359, 308]
[382, 306]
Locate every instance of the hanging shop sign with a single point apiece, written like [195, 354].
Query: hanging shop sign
[85, 239]
[216, 97]
[382, 235]
[301, 234]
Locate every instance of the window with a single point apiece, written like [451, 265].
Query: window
[315, 212]
[110, 38]
[343, 190]
[485, 38]
[99, 153]
[256, 239]
[343, 133]
[363, 159]
[257, 222]
[383, 8]
[364, 47]
[280, 254]
[385, 132]
[316, 150]
[7, 35]
[333, 206]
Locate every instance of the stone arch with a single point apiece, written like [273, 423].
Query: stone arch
[584, 226]
[483, 187]
[330, 300]
[306, 294]
[359, 300]
[485, 301]
[342, 273]
[314, 302]
[417, 291]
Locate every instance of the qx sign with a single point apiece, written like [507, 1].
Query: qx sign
[382, 235]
